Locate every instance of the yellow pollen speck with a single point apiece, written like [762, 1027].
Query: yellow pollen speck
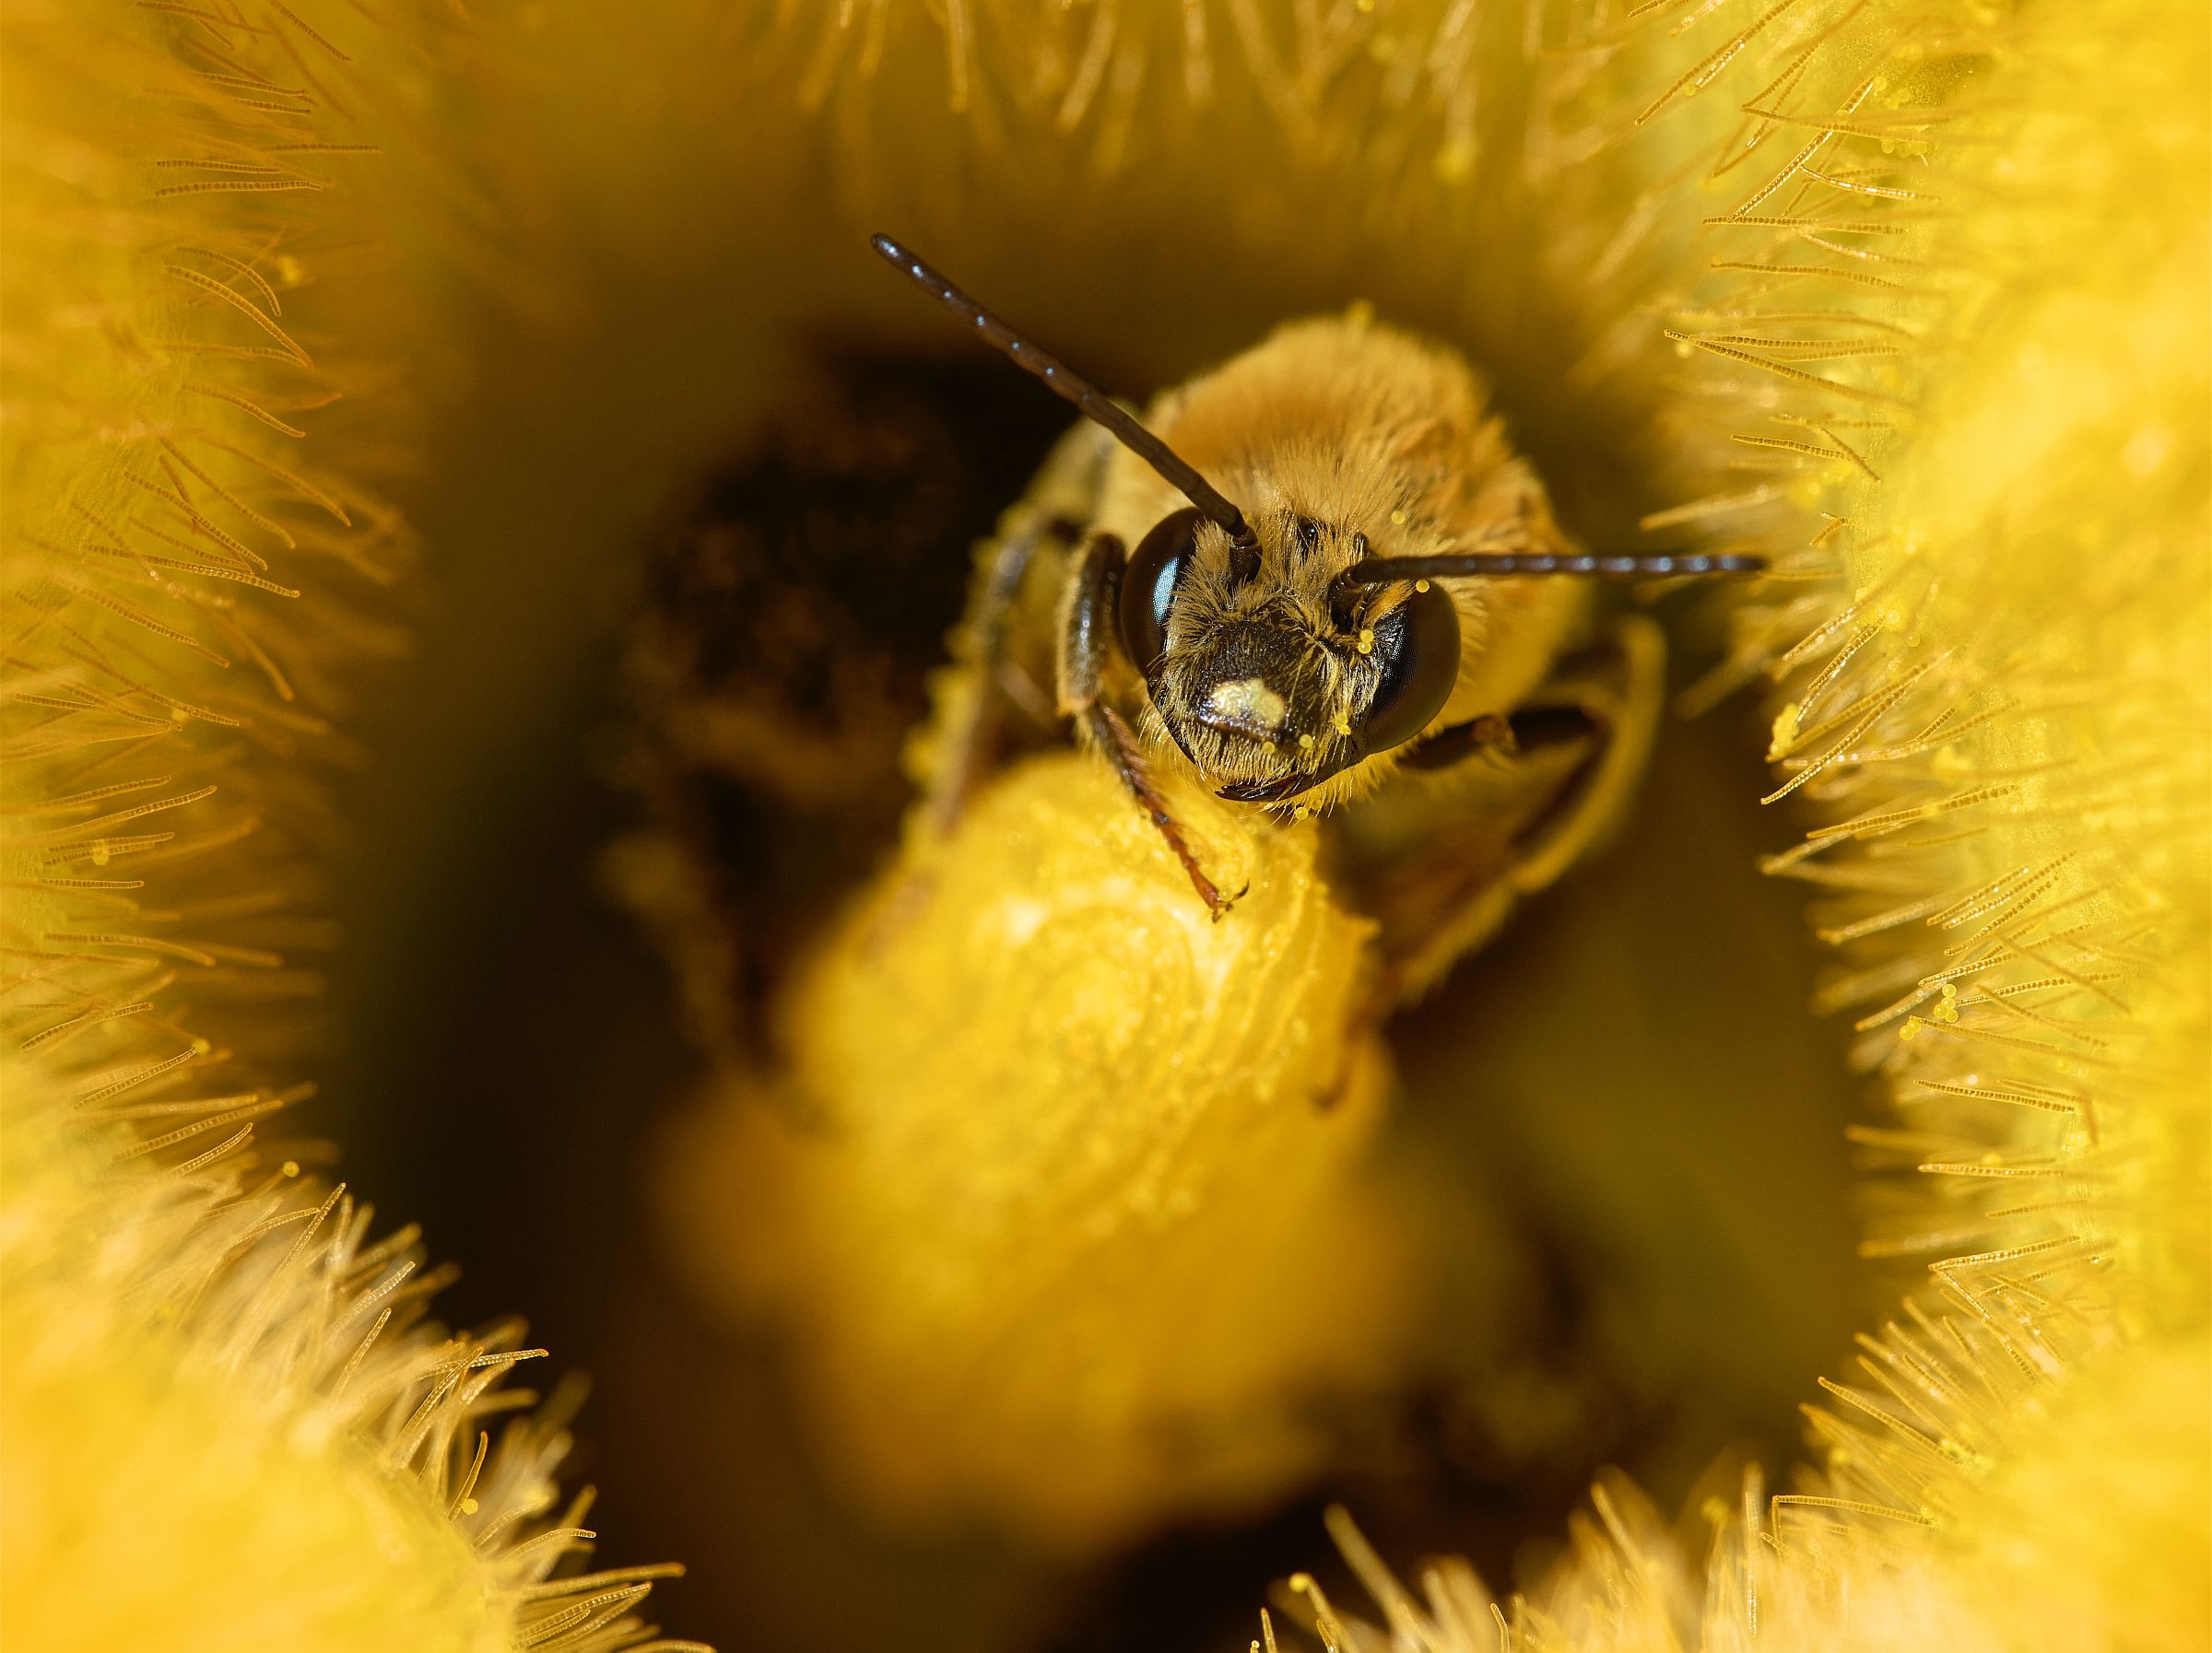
[1305, 743]
[1397, 519]
[1421, 585]
[1249, 701]
[1786, 732]
[1367, 639]
[469, 1507]
[1343, 724]
[290, 1167]
[1911, 1029]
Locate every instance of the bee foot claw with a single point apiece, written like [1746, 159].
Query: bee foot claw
[1219, 905]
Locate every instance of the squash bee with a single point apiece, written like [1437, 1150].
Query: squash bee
[1318, 601]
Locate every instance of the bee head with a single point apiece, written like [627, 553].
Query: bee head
[1270, 678]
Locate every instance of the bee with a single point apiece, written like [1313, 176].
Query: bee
[1338, 593]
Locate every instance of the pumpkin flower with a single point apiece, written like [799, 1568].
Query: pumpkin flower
[223, 1421]
[1906, 296]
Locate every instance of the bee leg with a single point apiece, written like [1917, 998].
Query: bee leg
[970, 743]
[1618, 718]
[1554, 777]
[1004, 643]
[1086, 627]
[1530, 729]
[1489, 733]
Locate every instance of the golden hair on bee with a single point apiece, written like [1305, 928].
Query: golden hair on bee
[1346, 440]
[1303, 575]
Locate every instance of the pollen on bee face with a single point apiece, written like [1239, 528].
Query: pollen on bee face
[1367, 639]
[1249, 701]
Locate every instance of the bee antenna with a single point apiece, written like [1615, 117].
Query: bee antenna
[1088, 400]
[1462, 564]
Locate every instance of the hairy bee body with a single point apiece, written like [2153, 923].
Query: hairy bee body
[1389, 445]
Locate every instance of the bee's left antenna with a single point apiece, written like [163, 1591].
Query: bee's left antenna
[1087, 397]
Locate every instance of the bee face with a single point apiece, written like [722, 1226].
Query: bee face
[1270, 678]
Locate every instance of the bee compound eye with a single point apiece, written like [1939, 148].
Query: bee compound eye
[1149, 586]
[1419, 640]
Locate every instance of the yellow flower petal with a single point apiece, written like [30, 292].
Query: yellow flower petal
[221, 1425]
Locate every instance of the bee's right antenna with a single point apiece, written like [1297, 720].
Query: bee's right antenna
[1384, 570]
[1462, 565]
[1085, 395]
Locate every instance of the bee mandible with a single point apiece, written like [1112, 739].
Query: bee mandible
[1339, 593]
